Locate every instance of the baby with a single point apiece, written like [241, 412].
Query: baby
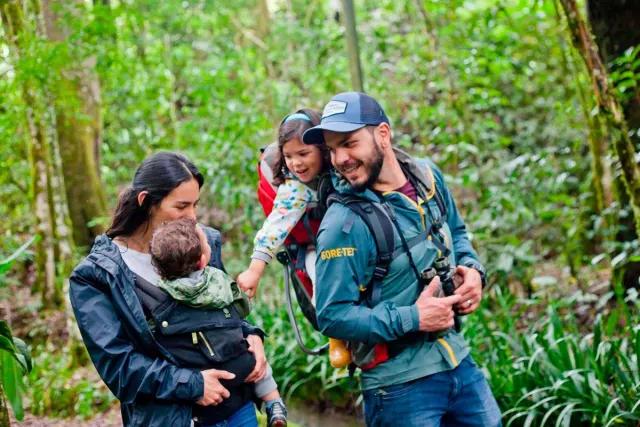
[180, 253]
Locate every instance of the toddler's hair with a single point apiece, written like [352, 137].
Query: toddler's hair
[176, 248]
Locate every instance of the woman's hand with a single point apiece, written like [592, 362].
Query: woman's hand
[214, 392]
[249, 279]
[257, 348]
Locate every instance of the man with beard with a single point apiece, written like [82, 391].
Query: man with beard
[416, 368]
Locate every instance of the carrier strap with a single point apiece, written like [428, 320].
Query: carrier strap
[379, 224]
[151, 296]
[411, 243]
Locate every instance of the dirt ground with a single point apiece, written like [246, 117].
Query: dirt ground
[110, 418]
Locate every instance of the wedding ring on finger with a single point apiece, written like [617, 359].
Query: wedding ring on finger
[469, 302]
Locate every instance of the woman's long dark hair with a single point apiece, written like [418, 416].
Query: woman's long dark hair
[158, 175]
[292, 129]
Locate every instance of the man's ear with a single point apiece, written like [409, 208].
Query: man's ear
[384, 135]
[141, 196]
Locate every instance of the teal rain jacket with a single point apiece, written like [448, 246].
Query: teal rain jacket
[345, 264]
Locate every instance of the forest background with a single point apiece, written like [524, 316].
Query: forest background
[531, 108]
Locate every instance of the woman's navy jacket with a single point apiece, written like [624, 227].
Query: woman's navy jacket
[152, 389]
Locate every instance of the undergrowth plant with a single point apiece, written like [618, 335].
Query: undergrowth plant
[550, 371]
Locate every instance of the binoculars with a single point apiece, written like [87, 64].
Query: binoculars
[443, 269]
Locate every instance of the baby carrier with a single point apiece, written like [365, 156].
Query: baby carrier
[201, 339]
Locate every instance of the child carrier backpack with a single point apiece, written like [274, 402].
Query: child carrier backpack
[377, 219]
[292, 257]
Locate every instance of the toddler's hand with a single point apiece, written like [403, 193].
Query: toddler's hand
[248, 281]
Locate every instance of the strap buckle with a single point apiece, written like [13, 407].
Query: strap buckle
[379, 272]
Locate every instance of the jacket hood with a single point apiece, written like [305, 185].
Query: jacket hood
[103, 245]
[106, 255]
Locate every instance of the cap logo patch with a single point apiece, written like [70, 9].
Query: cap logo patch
[334, 107]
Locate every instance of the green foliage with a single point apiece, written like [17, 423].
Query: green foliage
[300, 377]
[5, 264]
[15, 358]
[554, 372]
[488, 89]
[57, 387]
[626, 74]
[15, 362]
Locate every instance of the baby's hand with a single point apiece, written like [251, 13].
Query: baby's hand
[248, 281]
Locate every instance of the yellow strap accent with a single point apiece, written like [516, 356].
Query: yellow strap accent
[447, 347]
[417, 206]
[206, 343]
[432, 190]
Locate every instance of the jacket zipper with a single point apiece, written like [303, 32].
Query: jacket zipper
[420, 210]
[418, 207]
[452, 354]
[206, 343]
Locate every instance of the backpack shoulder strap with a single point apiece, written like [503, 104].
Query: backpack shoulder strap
[324, 190]
[151, 297]
[440, 202]
[417, 178]
[380, 226]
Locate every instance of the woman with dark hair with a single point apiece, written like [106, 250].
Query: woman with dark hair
[153, 390]
[297, 170]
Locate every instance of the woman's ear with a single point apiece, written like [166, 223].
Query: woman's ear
[141, 196]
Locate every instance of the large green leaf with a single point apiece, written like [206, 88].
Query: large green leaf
[12, 382]
[5, 264]
[23, 355]
[6, 339]
[15, 346]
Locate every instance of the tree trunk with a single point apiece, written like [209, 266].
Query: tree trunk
[616, 27]
[608, 103]
[55, 246]
[5, 420]
[78, 125]
[263, 19]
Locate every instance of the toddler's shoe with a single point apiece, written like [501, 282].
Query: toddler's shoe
[276, 415]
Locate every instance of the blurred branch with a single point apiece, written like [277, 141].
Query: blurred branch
[23, 188]
[355, 67]
[247, 33]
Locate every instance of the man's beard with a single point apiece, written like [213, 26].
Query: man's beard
[373, 167]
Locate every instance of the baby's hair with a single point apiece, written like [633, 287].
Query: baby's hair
[176, 248]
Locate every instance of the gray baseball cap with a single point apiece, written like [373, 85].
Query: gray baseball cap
[346, 112]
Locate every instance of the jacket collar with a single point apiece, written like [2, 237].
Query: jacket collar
[106, 254]
[104, 247]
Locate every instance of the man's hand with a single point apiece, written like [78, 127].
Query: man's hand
[435, 314]
[214, 392]
[257, 348]
[469, 290]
